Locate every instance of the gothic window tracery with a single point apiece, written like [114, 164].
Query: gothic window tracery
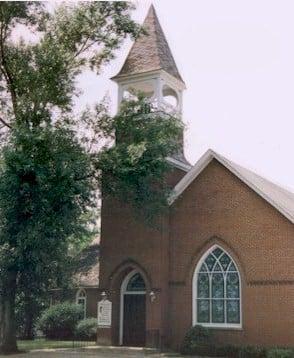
[218, 291]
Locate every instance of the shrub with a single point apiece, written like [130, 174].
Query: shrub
[228, 351]
[86, 329]
[198, 340]
[59, 321]
[280, 353]
[252, 352]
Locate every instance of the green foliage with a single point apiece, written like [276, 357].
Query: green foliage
[28, 309]
[280, 353]
[38, 77]
[135, 169]
[198, 340]
[41, 201]
[231, 351]
[252, 352]
[86, 329]
[59, 321]
[228, 351]
[18, 12]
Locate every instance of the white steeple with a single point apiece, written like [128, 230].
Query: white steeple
[151, 68]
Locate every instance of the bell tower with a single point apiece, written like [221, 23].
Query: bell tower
[150, 68]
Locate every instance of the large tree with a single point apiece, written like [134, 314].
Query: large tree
[41, 212]
[51, 159]
[46, 179]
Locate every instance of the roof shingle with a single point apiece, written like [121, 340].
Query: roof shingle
[150, 52]
[87, 271]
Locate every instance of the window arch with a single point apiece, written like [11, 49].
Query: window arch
[136, 283]
[81, 299]
[217, 290]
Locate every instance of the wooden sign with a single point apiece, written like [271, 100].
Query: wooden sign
[104, 313]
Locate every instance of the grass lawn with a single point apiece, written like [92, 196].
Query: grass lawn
[43, 343]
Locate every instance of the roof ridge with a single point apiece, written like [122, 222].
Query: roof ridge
[152, 8]
[160, 34]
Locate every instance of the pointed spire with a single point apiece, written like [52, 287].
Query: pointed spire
[150, 52]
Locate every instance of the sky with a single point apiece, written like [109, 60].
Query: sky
[237, 60]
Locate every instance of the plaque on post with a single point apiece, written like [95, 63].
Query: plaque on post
[104, 313]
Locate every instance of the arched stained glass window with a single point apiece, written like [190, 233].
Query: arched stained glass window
[136, 283]
[217, 282]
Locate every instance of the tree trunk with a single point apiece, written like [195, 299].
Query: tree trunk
[1, 320]
[7, 312]
[28, 331]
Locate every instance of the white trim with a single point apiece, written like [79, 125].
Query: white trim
[157, 79]
[203, 163]
[124, 79]
[127, 78]
[190, 176]
[178, 164]
[124, 291]
[84, 298]
[195, 294]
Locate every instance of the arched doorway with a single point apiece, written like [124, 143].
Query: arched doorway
[133, 310]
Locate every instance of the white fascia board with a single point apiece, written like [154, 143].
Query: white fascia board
[127, 78]
[178, 164]
[122, 79]
[173, 80]
[262, 194]
[191, 175]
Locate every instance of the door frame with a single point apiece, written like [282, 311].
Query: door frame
[123, 292]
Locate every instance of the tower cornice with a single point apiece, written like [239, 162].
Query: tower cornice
[124, 79]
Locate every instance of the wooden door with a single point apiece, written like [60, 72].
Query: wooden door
[134, 323]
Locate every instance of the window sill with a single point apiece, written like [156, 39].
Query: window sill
[236, 327]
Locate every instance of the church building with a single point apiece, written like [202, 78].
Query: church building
[223, 256]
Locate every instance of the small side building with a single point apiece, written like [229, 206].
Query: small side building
[85, 282]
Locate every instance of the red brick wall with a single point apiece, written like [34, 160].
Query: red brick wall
[126, 240]
[259, 238]
[93, 296]
[216, 208]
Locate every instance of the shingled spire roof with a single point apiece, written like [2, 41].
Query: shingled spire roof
[150, 52]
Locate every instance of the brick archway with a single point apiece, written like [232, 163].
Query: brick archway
[115, 282]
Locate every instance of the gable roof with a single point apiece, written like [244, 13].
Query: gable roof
[278, 197]
[150, 52]
[87, 270]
